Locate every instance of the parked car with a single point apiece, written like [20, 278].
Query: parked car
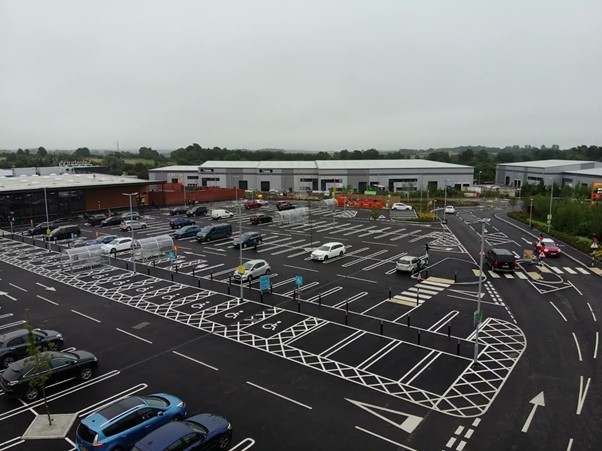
[253, 270]
[260, 219]
[186, 231]
[121, 424]
[118, 245]
[178, 210]
[450, 210]
[262, 202]
[214, 232]
[177, 223]
[130, 216]
[221, 214]
[500, 259]
[102, 239]
[199, 432]
[64, 365]
[328, 250]
[95, 219]
[548, 247]
[111, 220]
[132, 225]
[252, 204]
[247, 239]
[411, 264]
[400, 206]
[197, 210]
[64, 233]
[41, 228]
[281, 206]
[13, 345]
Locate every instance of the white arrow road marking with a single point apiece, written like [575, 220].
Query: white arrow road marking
[45, 287]
[408, 425]
[582, 393]
[4, 293]
[537, 401]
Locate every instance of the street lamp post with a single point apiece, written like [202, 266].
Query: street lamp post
[130, 195]
[46, 206]
[550, 212]
[445, 201]
[480, 172]
[531, 213]
[478, 312]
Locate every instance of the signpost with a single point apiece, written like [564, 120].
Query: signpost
[264, 284]
[298, 283]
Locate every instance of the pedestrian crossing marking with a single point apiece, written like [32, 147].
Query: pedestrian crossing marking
[520, 275]
[556, 270]
[582, 270]
[569, 270]
[509, 276]
[534, 275]
[403, 300]
[597, 271]
[491, 273]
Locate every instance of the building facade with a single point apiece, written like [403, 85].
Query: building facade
[535, 172]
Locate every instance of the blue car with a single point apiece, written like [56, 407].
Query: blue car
[102, 239]
[121, 424]
[200, 432]
[186, 231]
[178, 223]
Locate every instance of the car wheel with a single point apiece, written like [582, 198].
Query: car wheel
[129, 229]
[31, 393]
[52, 346]
[268, 272]
[250, 278]
[223, 442]
[7, 360]
[325, 257]
[144, 226]
[85, 373]
[114, 252]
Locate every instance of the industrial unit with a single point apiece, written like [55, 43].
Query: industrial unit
[548, 172]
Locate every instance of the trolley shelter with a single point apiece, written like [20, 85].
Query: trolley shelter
[154, 247]
[294, 216]
[82, 257]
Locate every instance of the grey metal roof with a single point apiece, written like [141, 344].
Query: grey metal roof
[182, 168]
[336, 164]
[594, 172]
[33, 182]
[545, 163]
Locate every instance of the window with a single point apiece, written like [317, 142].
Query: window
[18, 341]
[127, 422]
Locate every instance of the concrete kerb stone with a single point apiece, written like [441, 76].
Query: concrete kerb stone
[39, 428]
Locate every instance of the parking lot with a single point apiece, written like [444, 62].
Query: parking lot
[404, 336]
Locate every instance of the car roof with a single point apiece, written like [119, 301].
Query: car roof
[164, 436]
[257, 260]
[501, 251]
[331, 243]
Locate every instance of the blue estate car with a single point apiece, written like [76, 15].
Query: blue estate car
[200, 432]
[121, 424]
[186, 231]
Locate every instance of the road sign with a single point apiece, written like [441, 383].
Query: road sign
[527, 254]
[264, 283]
[171, 255]
[241, 269]
[542, 255]
[299, 280]
[594, 245]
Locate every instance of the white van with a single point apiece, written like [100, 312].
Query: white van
[221, 214]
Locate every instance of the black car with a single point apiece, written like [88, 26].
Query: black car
[178, 210]
[197, 210]
[501, 259]
[41, 228]
[178, 223]
[95, 219]
[247, 239]
[260, 219]
[13, 345]
[284, 206]
[63, 365]
[110, 221]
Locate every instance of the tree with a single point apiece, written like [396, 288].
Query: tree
[42, 152]
[82, 152]
[41, 369]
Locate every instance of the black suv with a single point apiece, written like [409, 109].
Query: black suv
[64, 233]
[95, 219]
[247, 239]
[197, 210]
[41, 228]
[178, 210]
[501, 260]
[284, 206]
[13, 345]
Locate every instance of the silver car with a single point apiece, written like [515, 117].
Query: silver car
[253, 270]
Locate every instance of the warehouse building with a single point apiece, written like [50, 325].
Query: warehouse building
[535, 172]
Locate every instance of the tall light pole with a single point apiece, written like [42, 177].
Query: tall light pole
[478, 314]
[550, 212]
[239, 238]
[531, 213]
[46, 205]
[445, 201]
[130, 195]
[480, 172]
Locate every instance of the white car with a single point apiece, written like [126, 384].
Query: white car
[253, 270]
[450, 210]
[118, 245]
[329, 250]
[132, 225]
[400, 206]
[262, 201]
[221, 214]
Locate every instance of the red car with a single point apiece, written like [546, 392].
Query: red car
[548, 247]
[252, 204]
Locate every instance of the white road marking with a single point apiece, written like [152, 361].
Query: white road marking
[135, 336]
[301, 268]
[582, 393]
[410, 423]
[596, 347]
[582, 270]
[569, 270]
[384, 438]
[559, 312]
[279, 395]
[85, 316]
[47, 300]
[578, 348]
[17, 287]
[195, 360]
[537, 401]
[593, 314]
[570, 445]
[356, 278]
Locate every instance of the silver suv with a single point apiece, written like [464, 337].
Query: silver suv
[253, 270]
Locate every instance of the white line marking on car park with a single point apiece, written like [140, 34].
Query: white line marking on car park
[135, 336]
[592, 312]
[195, 360]
[269, 247]
[380, 244]
[384, 438]
[301, 288]
[355, 297]
[578, 348]
[17, 287]
[582, 393]
[111, 399]
[279, 395]
[6, 315]
[47, 300]
[378, 354]
[569, 270]
[324, 294]
[596, 346]
[446, 319]
[556, 270]
[299, 253]
[356, 278]
[559, 312]
[85, 316]
[283, 282]
[300, 267]
[287, 249]
[582, 270]
[16, 323]
[361, 258]
[246, 444]
[391, 259]
[11, 442]
[419, 364]
[342, 343]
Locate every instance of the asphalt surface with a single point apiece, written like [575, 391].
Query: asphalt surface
[356, 357]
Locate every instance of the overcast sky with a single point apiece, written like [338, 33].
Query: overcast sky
[313, 75]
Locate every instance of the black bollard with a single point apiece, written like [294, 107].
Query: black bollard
[426, 274]
[171, 274]
[381, 326]
[271, 288]
[126, 266]
[458, 348]
[389, 292]
[199, 283]
[148, 270]
[299, 305]
[418, 336]
[249, 283]
[228, 289]
[261, 297]
[455, 276]
[176, 269]
[211, 276]
[408, 320]
[346, 318]
[448, 330]
[154, 264]
[229, 280]
[295, 294]
[347, 306]
[193, 271]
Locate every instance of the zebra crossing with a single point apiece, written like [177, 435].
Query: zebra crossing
[577, 270]
[422, 291]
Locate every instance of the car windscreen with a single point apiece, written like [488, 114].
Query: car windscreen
[324, 248]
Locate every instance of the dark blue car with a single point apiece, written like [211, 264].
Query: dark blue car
[200, 432]
[186, 231]
[179, 222]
